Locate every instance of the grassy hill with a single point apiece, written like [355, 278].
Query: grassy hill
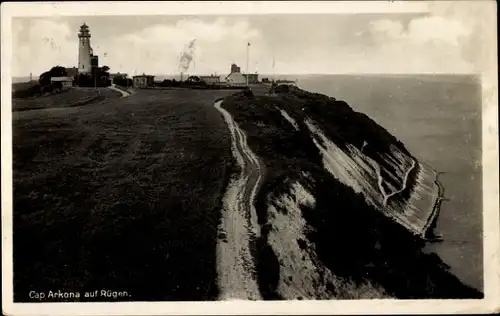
[121, 196]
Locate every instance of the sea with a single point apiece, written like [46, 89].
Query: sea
[438, 118]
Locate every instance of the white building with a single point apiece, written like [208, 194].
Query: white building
[85, 51]
[143, 81]
[66, 81]
[236, 79]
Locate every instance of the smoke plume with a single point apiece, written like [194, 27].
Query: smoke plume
[187, 56]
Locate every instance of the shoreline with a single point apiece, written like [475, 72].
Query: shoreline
[429, 227]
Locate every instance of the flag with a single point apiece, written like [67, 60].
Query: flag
[248, 44]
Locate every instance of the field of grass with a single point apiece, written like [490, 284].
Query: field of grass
[351, 238]
[122, 195]
[66, 98]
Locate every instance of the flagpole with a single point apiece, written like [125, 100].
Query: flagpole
[248, 53]
[274, 65]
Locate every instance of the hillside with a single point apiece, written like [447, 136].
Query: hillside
[343, 209]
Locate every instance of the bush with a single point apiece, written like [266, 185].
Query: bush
[123, 81]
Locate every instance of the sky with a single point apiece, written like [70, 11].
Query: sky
[440, 38]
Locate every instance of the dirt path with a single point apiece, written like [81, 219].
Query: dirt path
[236, 269]
[123, 92]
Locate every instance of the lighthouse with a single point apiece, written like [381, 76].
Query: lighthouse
[85, 51]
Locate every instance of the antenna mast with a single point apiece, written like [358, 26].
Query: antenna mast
[274, 65]
[248, 53]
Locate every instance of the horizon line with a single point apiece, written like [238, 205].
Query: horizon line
[298, 74]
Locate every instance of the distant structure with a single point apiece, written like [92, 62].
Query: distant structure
[252, 78]
[235, 68]
[85, 51]
[236, 78]
[212, 79]
[143, 81]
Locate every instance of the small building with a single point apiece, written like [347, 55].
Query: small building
[236, 79]
[66, 81]
[252, 78]
[210, 79]
[143, 81]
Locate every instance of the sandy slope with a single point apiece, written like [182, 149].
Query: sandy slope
[302, 274]
[365, 176]
[236, 270]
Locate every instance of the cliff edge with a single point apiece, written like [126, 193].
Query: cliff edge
[337, 206]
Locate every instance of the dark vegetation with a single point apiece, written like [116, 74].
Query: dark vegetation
[44, 86]
[66, 98]
[352, 239]
[123, 196]
[98, 78]
[37, 90]
[57, 71]
[123, 81]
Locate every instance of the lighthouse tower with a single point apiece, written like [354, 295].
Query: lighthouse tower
[85, 51]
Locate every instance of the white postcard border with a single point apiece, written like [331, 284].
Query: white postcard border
[491, 218]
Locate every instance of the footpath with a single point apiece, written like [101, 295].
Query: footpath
[125, 93]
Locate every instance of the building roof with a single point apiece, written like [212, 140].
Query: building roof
[61, 79]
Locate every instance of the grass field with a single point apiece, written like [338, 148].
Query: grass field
[122, 196]
[66, 98]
